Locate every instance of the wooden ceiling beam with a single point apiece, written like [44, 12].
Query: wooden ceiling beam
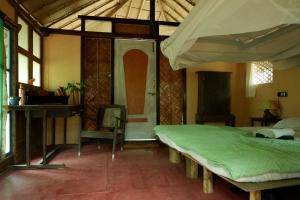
[153, 27]
[76, 19]
[129, 9]
[21, 1]
[161, 10]
[113, 9]
[192, 3]
[168, 18]
[42, 6]
[99, 14]
[152, 11]
[96, 34]
[72, 9]
[141, 7]
[23, 12]
[116, 20]
[86, 13]
[53, 7]
[173, 9]
[181, 6]
[119, 5]
[171, 16]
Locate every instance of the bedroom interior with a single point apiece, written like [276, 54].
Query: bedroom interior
[99, 44]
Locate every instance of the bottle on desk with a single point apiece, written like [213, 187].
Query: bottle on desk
[22, 94]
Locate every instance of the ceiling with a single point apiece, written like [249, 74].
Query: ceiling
[63, 14]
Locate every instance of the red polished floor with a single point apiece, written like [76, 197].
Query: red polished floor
[138, 174]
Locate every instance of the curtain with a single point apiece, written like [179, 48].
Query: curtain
[4, 93]
[2, 136]
[3, 89]
[250, 84]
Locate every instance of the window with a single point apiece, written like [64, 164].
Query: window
[263, 72]
[22, 68]
[29, 54]
[98, 26]
[36, 40]
[166, 30]
[36, 71]
[23, 34]
[5, 91]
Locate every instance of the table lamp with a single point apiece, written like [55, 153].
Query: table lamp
[271, 109]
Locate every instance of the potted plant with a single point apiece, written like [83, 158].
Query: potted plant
[73, 90]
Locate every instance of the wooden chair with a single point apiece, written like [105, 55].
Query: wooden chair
[111, 120]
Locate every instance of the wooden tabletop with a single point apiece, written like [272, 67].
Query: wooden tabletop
[46, 107]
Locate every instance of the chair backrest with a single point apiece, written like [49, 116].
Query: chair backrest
[106, 116]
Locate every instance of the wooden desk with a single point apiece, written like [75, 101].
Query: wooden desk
[44, 111]
[263, 121]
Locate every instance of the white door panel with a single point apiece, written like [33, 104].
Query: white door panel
[137, 130]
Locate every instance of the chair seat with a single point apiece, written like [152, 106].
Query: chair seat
[110, 121]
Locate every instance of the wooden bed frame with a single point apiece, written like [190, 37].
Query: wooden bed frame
[253, 188]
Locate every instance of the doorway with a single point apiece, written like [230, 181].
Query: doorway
[135, 86]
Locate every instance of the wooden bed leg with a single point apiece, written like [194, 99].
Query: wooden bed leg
[255, 195]
[191, 168]
[208, 181]
[174, 156]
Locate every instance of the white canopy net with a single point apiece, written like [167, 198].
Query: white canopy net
[237, 31]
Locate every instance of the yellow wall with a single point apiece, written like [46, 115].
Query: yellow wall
[6, 8]
[61, 60]
[62, 65]
[283, 80]
[238, 99]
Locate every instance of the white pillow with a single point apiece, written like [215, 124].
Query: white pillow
[276, 133]
[293, 123]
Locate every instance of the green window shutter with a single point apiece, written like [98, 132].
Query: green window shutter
[1, 79]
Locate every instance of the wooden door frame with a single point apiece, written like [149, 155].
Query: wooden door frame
[113, 36]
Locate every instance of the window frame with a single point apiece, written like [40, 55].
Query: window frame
[30, 54]
[9, 70]
[10, 90]
[269, 69]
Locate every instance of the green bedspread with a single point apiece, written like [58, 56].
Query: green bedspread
[235, 150]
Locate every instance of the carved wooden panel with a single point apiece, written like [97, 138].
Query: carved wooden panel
[171, 93]
[97, 78]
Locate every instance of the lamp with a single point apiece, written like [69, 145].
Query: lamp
[271, 110]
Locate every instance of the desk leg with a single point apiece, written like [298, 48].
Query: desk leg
[44, 137]
[28, 119]
[43, 163]
[65, 131]
[53, 131]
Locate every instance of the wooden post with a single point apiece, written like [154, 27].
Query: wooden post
[174, 156]
[191, 168]
[255, 195]
[207, 181]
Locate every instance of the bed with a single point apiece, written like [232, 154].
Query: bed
[253, 164]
